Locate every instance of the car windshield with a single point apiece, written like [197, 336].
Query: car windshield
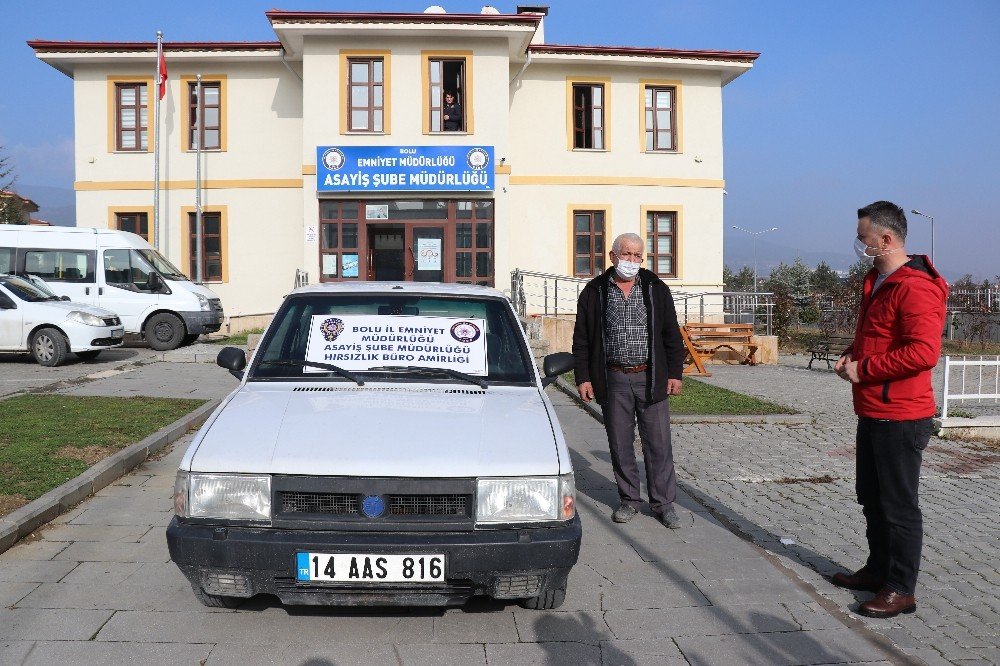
[162, 266]
[26, 290]
[388, 337]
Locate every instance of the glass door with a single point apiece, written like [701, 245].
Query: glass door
[425, 245]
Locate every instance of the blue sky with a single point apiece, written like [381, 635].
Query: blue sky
[850, 102]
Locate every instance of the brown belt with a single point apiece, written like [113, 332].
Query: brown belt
[627, 369]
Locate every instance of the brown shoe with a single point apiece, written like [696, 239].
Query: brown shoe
[888, 603]
[859, 580]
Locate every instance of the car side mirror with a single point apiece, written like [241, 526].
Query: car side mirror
[232, 359]
[155, 283]
[64, 298]
[556, 364]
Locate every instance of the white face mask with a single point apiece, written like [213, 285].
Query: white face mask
[861, 249]
[627, 269]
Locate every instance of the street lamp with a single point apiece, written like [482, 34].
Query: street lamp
[931, 218]
[754, 234]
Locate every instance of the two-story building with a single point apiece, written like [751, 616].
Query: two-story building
[385, 146]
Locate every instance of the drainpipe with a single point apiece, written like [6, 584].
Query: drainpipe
[526, 63]
[289, 67]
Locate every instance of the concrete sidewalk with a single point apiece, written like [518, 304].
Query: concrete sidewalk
[97, 587]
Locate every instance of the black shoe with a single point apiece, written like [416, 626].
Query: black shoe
[670, 519]
[624, 513]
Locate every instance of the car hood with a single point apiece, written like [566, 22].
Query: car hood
[70, 306]
[380, 430]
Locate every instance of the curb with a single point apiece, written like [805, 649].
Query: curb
[22, 522]
[773, 419]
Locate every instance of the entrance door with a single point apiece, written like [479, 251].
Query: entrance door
[386, 252]
[426, 245]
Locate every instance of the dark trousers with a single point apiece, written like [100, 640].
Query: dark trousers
[888, 458]
[626, 401]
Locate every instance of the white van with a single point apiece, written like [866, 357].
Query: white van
[389, 443]
[118, 271]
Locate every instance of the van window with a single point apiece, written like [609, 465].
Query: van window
[6, 260]
[60, 265]
[126, 269]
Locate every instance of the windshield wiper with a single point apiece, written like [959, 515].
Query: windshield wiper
[312, 364]
[419, 370]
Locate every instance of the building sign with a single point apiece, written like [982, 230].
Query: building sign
[404, 168]
[362, 342]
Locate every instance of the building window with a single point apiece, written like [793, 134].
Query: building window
[366, 103]
[131, 117]
[588, 116]
[588, 242]
[211, 246]
[447, 94]
[208, 132]
[474, 242]
[338, 249]
[136, 223]
[661, 243]
[660, 119]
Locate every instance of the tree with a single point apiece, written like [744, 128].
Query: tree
[11, 209]
[742, 281]
[825, 280]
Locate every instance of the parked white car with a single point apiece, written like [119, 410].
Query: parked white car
[34, 320]
[388, 444]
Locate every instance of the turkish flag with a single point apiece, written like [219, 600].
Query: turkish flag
[163, 75]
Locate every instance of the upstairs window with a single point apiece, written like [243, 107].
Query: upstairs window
[366, 95]
[447, 94]
[131, 117]
[209, 131]
[588, 116]
[660, 118]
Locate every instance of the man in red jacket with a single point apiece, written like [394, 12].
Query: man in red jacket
[897, 343]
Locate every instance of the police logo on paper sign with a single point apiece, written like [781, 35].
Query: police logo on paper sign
[478, 159]
[465, 331]
[331, 328]
[333, 159]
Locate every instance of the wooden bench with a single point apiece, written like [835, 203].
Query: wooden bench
[705, 341]
[829, 349]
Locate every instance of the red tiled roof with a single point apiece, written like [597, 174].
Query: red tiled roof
[45, 45]
[397, 17]
[735, 56]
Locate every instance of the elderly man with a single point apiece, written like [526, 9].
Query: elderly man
[897, 343]
[629, 357]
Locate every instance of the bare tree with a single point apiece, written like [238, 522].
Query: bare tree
[11, 209]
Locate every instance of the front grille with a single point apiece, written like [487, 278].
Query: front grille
[338, 504]
[105, 342]
[428, 505]
[344, 504]
[112, 321]
[516, 587]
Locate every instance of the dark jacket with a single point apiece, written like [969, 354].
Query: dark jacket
[898, 342]
[666, 352]
[454, 113]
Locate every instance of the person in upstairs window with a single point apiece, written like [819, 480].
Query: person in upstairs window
[896, 344]
[451, 113]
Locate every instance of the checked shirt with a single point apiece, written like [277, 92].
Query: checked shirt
[626, 332]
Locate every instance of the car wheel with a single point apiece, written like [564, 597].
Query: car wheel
[550, 596]
[89, 355]
[164, 331]
[49, 347]
[216, 601]
[189, 339]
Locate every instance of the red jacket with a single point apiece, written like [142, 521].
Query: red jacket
[898, 342]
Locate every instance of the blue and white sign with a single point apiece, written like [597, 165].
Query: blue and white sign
[404, 168]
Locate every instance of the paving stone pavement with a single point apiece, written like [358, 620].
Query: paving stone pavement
[781, 483]
[97, 587]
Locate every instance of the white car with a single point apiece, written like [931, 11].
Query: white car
[33, 319]
[388, 444]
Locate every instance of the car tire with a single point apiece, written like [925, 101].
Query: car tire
[89, 355]
[164, 331]
[216, 601]
[49, 347]
[189, 339]
[548, 599]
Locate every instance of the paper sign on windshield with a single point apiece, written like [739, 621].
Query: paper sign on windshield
[363, 342]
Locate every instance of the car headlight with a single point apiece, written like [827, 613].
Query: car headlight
[525, 500]
[85, 318]
[204, 303]
[225, 496]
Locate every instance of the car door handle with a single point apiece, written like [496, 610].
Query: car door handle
[100, 291]
[86, 291]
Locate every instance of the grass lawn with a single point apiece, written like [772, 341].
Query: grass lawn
[701, 398]
[48, 439]
[236, 339]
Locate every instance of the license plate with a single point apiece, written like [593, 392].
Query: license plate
[369, 568]
[117, 332]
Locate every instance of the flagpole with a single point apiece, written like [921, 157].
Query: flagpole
[197, 180]
[156, 144]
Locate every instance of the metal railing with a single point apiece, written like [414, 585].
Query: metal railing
[962, 300]
[551, 295]
[301, 278]
[978, 386]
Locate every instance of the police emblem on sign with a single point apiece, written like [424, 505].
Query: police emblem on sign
[331, 328]
[465, 331]
[477, 159]
[373, 506]
[333, 159]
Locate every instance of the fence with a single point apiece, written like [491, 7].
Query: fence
[968, 300]
[979, 385]
[548, 294]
